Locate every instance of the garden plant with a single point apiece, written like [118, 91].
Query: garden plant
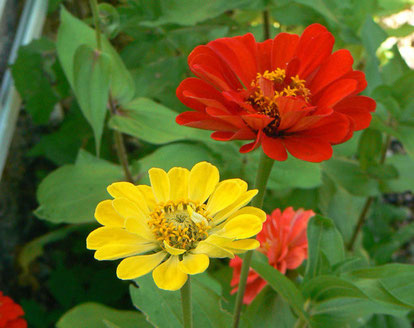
[224, 163]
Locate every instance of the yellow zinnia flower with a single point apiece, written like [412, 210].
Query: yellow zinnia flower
[173, 227]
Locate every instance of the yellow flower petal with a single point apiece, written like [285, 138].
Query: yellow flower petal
[117, 251]
[137, 266]
[149, 198]
[243, 200]
[126, 208]
[139, 227]
[242, 184]
[168, 275]
[226, 193]
[178, 183]
[106, 215]
[209, 248]
[129, 191]
[173, 250]
[202, 181]
[160, 184]
[250, 210]
[241, 227]
[241, 246]
[194, 263]
[111, 235]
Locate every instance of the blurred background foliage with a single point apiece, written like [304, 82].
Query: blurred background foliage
[48, 267]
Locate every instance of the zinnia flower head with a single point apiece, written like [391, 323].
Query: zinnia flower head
[290, 93]
[175, 225]
[283, 240]
[11, 313]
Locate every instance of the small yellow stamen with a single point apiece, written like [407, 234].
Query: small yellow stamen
[181, 224]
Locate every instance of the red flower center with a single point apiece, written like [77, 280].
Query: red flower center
[269, 86]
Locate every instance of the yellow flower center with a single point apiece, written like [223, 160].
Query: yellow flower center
[180, 224]
[269, 86]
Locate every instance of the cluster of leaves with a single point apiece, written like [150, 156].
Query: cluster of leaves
[68, 85]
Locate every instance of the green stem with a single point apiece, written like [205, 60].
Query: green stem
[263, 172]
[95, 13]
[266, 25]
[186, 304]
[120, 145]
[368, 201]
[300, 323]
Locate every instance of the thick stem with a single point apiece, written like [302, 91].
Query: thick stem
[368, 202]
[263, 172]
[95, 13]
[120, 146]
[186, 304]
[122, 155]
[360, 223]
[266, 24]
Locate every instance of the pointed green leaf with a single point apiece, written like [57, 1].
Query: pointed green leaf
[280, 283]
[91, 77]
[325, 244]
[73, 33]
[94, 315]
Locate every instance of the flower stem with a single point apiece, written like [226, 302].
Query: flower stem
[120, 146]
[263, 172]
[368, 202]
[186, 304]
[95, 13]
[266, 25]
[119, 139]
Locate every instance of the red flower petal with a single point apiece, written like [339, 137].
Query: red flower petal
[337, 65]
[358, 108]
[308, 148]
[239, 53]
[207, 65]
[203, 121]
[314, 53]
[274, 148]
[283, 49]
[197, 94]
[264, 55]
[335, 92]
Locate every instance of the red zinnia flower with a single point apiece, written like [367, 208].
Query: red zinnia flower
[10, 313]
[290, 93]
[283, 240]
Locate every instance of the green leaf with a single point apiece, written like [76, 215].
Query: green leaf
[32, 79]
[386, 321]
[324, 243]
[163, 308]
[402, 89]
[372, 35]
[70, 193]
[350, 176]
[94, 315]
[338, 302]
[321, 7]
[91, 76]
[33, 249]
[72, 34]
[401, 31]
[292, 173]
[153, 123]
[396, 280]
[280, 283]
[405, 181]
[190, 12]
[369, 148]
[270, 310]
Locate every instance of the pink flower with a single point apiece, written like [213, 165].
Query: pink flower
[283, 240]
